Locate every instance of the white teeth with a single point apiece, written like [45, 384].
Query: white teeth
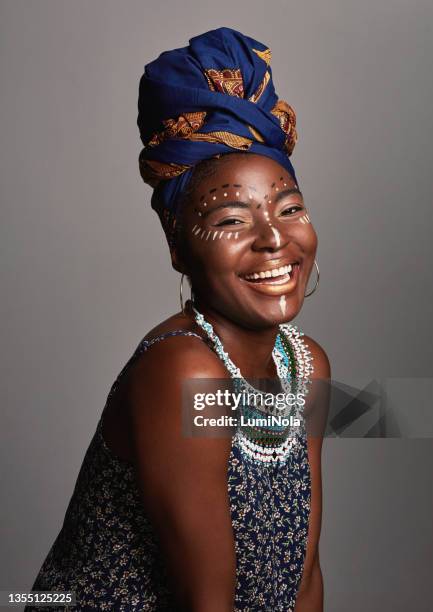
[284, 270]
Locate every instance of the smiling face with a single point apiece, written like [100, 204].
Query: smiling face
[249, 245]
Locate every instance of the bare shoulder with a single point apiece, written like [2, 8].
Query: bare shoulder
[176, 321]
[176, 357]
[158, 377]
[321, 363]
[180, 355]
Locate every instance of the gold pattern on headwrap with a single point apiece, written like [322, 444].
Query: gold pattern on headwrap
[256, 134]
[154, 171]
[287, 118]
[228, 81]
[182, 127]
[261, 88]
[228, 138]
[265, 55]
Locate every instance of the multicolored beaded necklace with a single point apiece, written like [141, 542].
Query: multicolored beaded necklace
[269, 443]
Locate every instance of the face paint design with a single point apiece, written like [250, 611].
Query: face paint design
[274, 229]
[277, 236]
[304, 219]
[206, 234]
[283, 304]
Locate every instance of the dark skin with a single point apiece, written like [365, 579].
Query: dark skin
[264, 228]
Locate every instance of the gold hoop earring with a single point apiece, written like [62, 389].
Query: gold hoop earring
[317, 280]
[182, 305]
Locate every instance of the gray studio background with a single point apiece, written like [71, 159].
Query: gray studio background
[85, 271]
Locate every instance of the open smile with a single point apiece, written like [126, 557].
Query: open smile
[276, 280]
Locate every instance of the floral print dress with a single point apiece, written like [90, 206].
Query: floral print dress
[108, 554]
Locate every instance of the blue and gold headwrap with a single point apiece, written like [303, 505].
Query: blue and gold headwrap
[212, 97]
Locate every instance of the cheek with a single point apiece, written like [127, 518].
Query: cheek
[303, 231]
[215, 250]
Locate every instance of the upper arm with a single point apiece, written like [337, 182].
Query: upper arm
[317, 408]
[183, 480]
[317, 404]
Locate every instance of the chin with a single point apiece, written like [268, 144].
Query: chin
[264, 312]
[285, 310]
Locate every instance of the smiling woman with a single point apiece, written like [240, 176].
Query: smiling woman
[245, 244]
[162, 521]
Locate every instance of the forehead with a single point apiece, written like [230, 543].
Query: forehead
[249, 170]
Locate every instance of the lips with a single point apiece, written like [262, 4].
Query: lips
[274, 273]
[274, 278]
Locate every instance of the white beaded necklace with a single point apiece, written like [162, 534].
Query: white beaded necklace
[282, 369]
[258, 452]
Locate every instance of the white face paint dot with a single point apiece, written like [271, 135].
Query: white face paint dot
[277, 188]
[213, 197]
[225, 194]
[204, 203]
[269, 201]
[237, 193]
[285, 184]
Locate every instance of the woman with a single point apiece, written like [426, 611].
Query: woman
[159, 520]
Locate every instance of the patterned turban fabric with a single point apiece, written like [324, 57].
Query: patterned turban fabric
[212, 97]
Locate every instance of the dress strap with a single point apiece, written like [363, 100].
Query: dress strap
[145, 344]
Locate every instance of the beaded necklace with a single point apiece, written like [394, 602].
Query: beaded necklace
[292, 359]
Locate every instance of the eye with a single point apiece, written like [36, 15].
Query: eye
[291, 210]
[229, 221]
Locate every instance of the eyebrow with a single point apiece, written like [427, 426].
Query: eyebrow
[240, 204]
[287, 192]
[234, 204]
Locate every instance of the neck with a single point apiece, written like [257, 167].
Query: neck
[249, 349]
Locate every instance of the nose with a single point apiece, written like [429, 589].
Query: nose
[269, 236]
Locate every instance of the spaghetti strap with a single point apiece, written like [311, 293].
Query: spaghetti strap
[175, 332]
[142, 347]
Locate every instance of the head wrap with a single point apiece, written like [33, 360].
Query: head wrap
[212, 97]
